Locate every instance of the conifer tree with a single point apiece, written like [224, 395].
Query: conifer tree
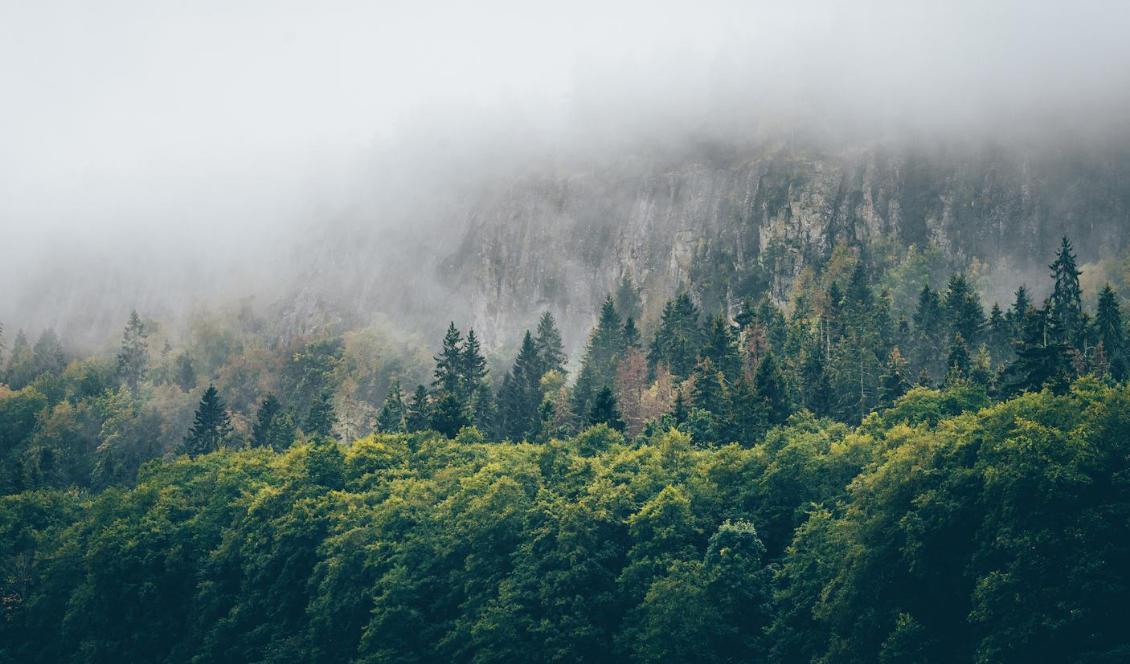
[551, 353]
[450, 363]
[1041, 360]
[523, 392]
[602, 355]
[449, 414]
[1066, 302]
[627, 299]
[963, 310]
[321, 419]
[998, 335]
[895, 380]
[274, 426]
[929, 333]
[1017, 315]
[814, 378]
[957, 360]
[770, 388]
[708, 393]
[419, 417]
[393, 415]
[748, 417]
[605, 411]
[678, 338]
[474, 370]
[211, 426]
[721, 348]
[133, 358]
[1109, 332]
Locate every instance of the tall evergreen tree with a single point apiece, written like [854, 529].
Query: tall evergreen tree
[1066, 310]
[211, 425]
[605, 411]
[678, 338]
[1109, 332]
[419, 417]
[963, 310]
[551, 350]
[708, 392]
[631, 334]
[602, 356]
[769, 385]
[721, 348]
[1041, 360]
[817, 389]
[521, 402]
[393, 415]
[321, 419]
[274, 426]
[929, 334]
[184, 372]
[958, 362]
[895, 380]
[133, 358]
[450, 363]
[21, 365]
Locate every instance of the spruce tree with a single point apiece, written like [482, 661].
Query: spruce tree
[551, 352]
[21, 365]
[133, 358]
[419, 416]
[321, 419]
[605, 411]
[449, 414]
[631, 334]
[929, 334]
[523, 396]
[1109, 332]
[721, 348]
[393, 415]
[770, 388]
[708, 392]
[450, 363]
[963, 310]
[814, 378]
[678, 339]
[1041, 361]
[474, 367]
[274, 426]
[957, 360]
[602, 356]
[1066, 310]
[895, 380]
[211, 426]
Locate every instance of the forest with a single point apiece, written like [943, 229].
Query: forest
[880, 468]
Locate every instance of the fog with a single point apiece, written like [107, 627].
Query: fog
[162, 154]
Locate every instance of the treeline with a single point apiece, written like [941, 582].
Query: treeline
[841, 351]
[942, 529]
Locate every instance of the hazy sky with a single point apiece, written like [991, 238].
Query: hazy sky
[152, 119]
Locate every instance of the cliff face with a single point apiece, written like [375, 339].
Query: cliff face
[728, 223]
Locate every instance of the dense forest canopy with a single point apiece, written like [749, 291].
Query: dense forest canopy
[855, 476]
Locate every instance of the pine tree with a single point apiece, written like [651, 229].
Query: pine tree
[449, 414]
[721, 348]
[1109, 332]
[963, 310]
[998, 335]
[474, 367]
[1066, 311]
[551, 353]
[929, 333]
[708, 393]
[769, 386]
[604, 410]
[133, 358]
[1040, 359]
[814, 378]
[678, 338]
[274, 426]
[393, 415]
[523, 392]
[321, 419]
[419, 416]
[211, 426]
[450, 363]
[602, 355]
[957, 360]
[895, 380]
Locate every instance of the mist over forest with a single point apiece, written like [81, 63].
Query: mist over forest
[519, 331]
